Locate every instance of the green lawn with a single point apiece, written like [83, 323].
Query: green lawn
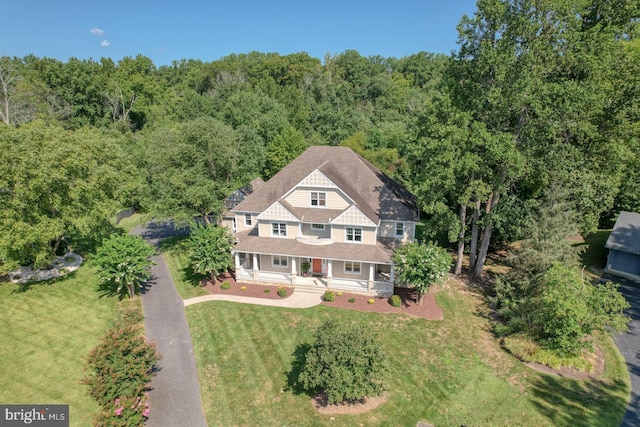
[47, 329]
[449, 373]
[134, 220]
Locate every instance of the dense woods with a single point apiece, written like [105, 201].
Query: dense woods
[541, 102]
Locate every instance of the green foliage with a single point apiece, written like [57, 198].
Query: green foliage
[285, 147]
[421, 265]
[123, 264]
[345, 362]
[120, 369]
[282, 291]
[225, 285]
[306, 266]
[569, 310]
[352, 300]
[527, 350]
[395, 300]
[329, 296]
[57, 184]
[209, 249]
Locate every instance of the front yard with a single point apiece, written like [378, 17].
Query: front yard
[449, 372]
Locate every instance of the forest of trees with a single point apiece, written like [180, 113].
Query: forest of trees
[541, 101]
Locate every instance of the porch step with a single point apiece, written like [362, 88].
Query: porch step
[320, 288]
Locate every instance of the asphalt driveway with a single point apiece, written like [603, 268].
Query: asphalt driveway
[175, 391]
[629, 345]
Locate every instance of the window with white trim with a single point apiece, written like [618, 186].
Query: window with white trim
[279, 261]
[317, 226]
[352, 267]
[234, 226]
[318, 199]
[353, 234]
[279, 229]
[247, 219]
[399, 229]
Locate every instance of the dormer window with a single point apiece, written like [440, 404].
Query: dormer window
[279, 229]
[247, 219]
[318, 199]
[399, 229]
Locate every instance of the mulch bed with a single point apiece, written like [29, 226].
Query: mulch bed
[429, 309]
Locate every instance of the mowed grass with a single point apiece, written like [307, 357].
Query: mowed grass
[448, 373]
[177, 261]
[47, 329]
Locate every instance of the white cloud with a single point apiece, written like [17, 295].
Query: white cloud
[97, 31]
[105, 43]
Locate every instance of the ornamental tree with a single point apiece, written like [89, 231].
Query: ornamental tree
[209, 248]
[123, 263]
[420, 265]
[345, 362]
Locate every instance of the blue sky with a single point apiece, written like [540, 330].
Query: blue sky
[208, 30]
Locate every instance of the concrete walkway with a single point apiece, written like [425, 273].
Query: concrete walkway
[175, 391]
[299, 299]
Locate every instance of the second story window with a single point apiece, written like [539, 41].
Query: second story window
[399, 229]
[247, 219]
[234, 226]
[353, 234]
[318, 199]
[279, 229]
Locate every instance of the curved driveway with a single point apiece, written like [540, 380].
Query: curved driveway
[629, 345]
[175, 391]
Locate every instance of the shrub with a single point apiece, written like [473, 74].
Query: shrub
[243, 288]
[225, 285]
[266, 291]
[124, 412]
[329, 296]
[371, 301]
[120, 367]
[352, 300]
[345, 362]
[396, 301]
[338, 294]
[282, 291]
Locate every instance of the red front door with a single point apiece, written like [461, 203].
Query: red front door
[317, 266]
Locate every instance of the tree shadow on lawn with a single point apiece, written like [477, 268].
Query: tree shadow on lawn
[579, 402]
[299, 359]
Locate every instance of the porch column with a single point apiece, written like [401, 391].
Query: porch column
[236, 258]
[329, 274]
[392, 278]
[371, 277]
[294, 272]
[255, 267]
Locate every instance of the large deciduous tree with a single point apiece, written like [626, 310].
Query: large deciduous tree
[57, 184]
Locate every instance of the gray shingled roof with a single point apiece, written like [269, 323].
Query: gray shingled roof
[374, 193]
[248, 241]
[625, 236]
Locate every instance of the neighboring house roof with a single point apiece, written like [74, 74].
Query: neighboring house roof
[625, 236]
[376, 195]
[240, 194]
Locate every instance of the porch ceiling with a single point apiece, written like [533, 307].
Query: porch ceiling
[380, 253]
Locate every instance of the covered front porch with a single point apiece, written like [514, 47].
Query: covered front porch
[368, 278]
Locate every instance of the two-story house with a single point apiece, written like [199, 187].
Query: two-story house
[330, 210]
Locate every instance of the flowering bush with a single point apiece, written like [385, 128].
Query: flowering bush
[120, 368]
[124, 412]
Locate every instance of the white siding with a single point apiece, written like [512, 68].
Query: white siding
[301, 198]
